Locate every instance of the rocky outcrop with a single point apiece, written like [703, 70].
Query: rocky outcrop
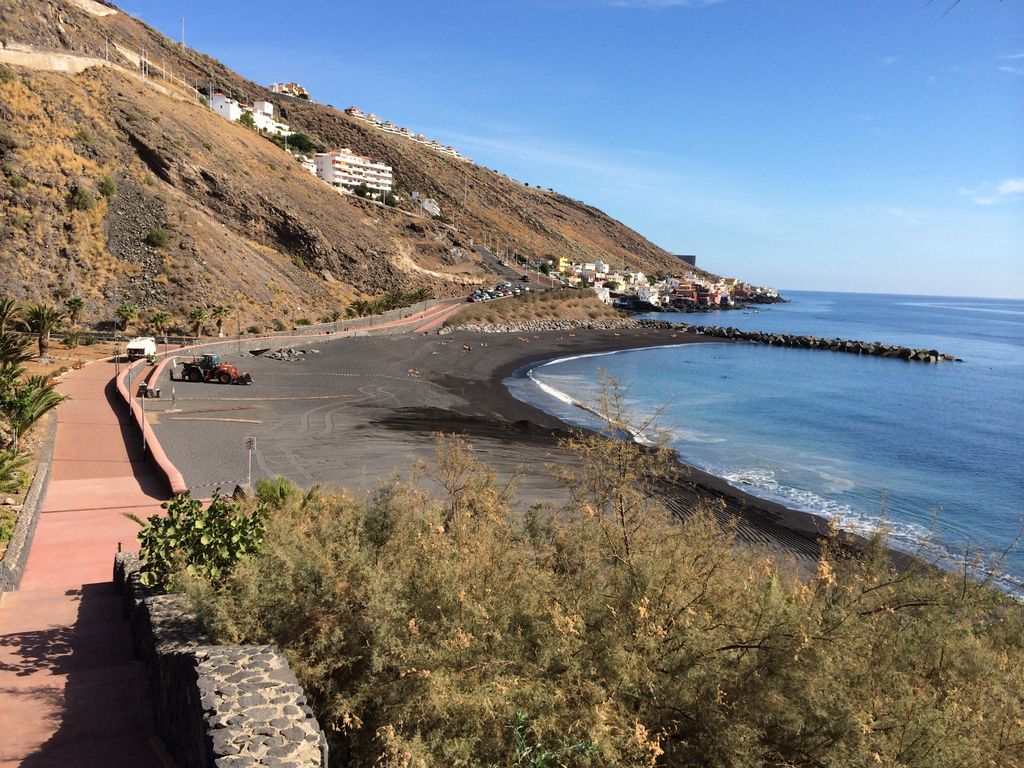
[872, 348]
[216, 706]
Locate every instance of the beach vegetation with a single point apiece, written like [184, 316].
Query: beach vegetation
[195, 539]
[433, 623]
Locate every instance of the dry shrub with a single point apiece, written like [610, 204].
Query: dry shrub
[426, 628]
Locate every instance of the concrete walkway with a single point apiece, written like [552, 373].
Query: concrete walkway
[71, 693]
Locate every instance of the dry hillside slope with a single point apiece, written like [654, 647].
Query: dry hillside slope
[246, 226]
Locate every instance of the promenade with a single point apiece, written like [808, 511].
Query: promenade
[71, 693]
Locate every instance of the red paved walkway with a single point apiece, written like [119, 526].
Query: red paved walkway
[71, 693]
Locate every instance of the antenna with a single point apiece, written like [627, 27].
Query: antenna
[182, 31]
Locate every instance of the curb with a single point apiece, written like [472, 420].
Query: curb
[13, 564]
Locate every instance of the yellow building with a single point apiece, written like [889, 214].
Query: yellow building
[563, 264]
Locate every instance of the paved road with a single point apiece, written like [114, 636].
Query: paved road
[71, 693]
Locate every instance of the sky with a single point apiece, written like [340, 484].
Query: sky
[866, 145]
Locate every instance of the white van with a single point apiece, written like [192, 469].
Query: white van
[141, 347]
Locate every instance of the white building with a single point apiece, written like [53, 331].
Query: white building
[263, 115]
[290, 89]
[428, 204]
[345, 170]
[225, 107]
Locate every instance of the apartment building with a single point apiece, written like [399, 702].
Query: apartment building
[345, 170]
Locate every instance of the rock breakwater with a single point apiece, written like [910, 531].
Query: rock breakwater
[872, 348]
[538, 326]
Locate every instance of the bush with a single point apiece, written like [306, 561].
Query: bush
[6, 74]
[7, 142]
[107, 186]
[278, 324]
[18, 182]
[8, 519]
[423, 629]
[88, 340]
[72, 339]
[203, 542]
[157, 238]
[248, 120]
[84, 136]
[12, 479]
[82, 199]
[254, 330]
[303, 321]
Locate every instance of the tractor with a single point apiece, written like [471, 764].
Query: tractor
[210, 368]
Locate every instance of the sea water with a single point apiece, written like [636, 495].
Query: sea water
[935, 452]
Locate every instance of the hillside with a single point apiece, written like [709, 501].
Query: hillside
[93, 166]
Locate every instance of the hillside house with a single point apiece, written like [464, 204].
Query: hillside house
[344, 170]
[290, 89]
[263, 116]
[225, 107]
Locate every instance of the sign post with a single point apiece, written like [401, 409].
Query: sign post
[250, 446]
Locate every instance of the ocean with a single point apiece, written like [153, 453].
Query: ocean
[934, 453]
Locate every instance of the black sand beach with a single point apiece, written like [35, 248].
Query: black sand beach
[359, 410]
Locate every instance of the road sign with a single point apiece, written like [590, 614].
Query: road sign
[250, 446]
[250, 443]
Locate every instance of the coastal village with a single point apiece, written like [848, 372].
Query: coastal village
[350, 173]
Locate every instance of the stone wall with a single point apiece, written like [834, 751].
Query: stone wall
[216, 706]
[12, 566]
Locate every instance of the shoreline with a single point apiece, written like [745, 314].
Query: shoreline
[360, 409]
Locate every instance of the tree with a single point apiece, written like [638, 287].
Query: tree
[127, 313]
[10, 312]
[361, 191]
[41, 320]
[197, 317]
[545, 268]
[74, 306]
[26, 402]
[247, 120]
[360, 308]
[159, 320]
[220, 313]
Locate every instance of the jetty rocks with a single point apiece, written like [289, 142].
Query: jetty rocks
[872, 348]
[538, 326]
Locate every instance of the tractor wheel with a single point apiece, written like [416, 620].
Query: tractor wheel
[224, 377]
[194, 374]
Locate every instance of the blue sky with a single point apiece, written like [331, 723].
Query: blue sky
[868, 146]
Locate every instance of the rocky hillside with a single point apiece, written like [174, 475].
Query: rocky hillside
[118, 187]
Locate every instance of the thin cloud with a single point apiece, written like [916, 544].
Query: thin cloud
[1019, 71]
[993, 194]
[1012, 56]
[888, 61]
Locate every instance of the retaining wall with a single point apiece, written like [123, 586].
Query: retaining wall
[12, 566]
[216, 706]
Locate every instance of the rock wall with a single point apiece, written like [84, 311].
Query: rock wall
[872, 348]
[12, 566]
[216, 706]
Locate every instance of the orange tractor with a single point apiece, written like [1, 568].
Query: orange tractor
[210, 368]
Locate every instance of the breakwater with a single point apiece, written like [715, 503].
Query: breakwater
[872, 348]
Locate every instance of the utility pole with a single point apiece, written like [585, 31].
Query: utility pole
[182, 31]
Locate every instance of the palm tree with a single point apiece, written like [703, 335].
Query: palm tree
[159, 321]
[33, 399]
[198, 316]
[14, 348]
[360, 308]
[220, 313]
[74, 305]
[420, 294]
[335, 315]
[42, 319]
[127, 313]
[10, 311]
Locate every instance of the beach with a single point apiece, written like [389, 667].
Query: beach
[354, 412]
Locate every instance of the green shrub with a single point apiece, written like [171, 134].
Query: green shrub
[6, 74]
[204, 542]
[72, 339]
[82, 199]
[298, 262]
[277, 491]
[7, 142]
[84, 136]
[254, 329]
[12, 479]
[248, 120]
[18, 182]
[107, 186]
[8, 519]
[278, 324]
[423, 628]
[18, 221]
[157, 238]
[302, 321]
[88, 340]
